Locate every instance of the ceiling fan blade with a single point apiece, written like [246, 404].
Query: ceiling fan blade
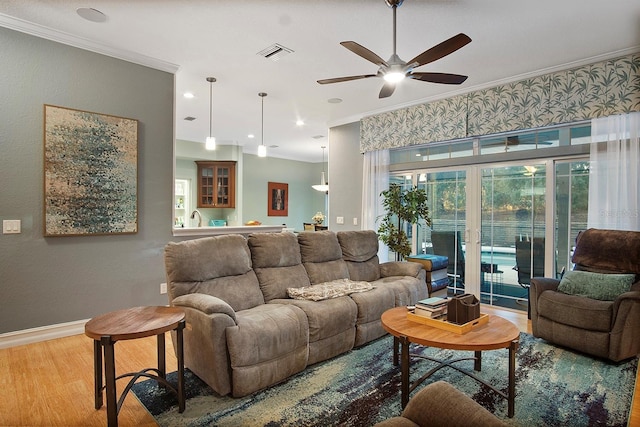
[364, 53]
[345, 79]
[387, 90]
[441, 50]
[444, 78]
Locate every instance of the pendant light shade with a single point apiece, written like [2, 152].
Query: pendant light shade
[324, 185]
[262, 149]
[210, 142]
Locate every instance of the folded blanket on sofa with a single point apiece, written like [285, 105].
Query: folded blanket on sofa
[327, 290]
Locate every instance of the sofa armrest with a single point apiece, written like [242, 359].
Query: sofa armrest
[625, 330]
[205, 303]
[441, 404]
[400, 268]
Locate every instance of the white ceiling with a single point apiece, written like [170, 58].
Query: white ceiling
[512, 39]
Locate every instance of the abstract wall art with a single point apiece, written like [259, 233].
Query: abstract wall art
[90, 173]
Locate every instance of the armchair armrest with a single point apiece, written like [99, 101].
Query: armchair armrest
[400, 268]
[205, 303]
[542, 284]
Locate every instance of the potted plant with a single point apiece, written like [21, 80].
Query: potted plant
[403, 207]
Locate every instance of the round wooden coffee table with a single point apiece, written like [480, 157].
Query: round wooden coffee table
[498, 333]
[129, 324]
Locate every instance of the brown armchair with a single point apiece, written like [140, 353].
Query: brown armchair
[608, 329]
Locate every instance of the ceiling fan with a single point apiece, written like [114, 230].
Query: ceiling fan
[395, 69]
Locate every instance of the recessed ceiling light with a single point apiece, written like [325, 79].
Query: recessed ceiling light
[251, 135]
[189, 95]
[90, 14]
[334, 100]
[299, 123]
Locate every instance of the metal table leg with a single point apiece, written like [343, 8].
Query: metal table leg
[511, 392]
[97, 373]
[110, 380]
[180, 355]
[404, 367]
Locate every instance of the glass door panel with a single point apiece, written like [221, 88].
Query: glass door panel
[512, 232]
[572, 197]
[447, 204]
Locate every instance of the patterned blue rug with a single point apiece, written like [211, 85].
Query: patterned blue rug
[554, 387]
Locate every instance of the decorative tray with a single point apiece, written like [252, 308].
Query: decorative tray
[448, 326]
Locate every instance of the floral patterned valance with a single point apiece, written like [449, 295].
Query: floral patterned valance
[596, 90]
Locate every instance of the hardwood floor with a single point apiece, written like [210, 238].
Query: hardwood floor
[51, 383]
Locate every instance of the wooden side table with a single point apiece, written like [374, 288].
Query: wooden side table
[129, 324]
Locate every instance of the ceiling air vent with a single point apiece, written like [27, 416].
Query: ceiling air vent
[189, 118]
[275, 52]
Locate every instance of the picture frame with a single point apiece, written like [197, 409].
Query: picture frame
[278, 199]
[90, 173]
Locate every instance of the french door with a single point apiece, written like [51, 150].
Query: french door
[509, 222]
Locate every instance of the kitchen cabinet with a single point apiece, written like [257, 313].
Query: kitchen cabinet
[216, 184]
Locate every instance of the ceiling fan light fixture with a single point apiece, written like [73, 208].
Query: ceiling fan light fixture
[394, 76]
[210, 142]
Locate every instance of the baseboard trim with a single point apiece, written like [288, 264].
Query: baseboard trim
[43, 333]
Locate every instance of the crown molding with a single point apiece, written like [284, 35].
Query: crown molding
[82, 43]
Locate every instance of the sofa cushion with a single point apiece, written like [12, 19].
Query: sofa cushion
[219, 266]
[322, 256]
[360, 251]
[576, 311]
[274, 250]
[606, 287]
[328, 290]
[269, 344]
[277, 263]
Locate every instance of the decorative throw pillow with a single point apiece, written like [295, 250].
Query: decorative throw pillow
[327, 290]
[605, 287]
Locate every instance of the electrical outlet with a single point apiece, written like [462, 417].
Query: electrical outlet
[355, 221]
[340, 220]
[163, 288]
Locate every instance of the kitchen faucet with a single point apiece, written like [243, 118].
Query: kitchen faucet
[193, 216]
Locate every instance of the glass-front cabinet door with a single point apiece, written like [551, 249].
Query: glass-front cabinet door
[216, 184]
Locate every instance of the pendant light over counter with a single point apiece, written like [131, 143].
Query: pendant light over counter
[210, 142]
[324, 185]
[262, 149]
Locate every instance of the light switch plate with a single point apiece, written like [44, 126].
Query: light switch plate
[10, 226]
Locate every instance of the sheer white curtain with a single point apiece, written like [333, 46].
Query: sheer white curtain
[614, 179]
[375, 179]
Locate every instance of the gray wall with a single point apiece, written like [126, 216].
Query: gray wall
[304, 201]
[54, 280]
[345, 176]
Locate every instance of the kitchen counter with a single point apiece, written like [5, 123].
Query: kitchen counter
[216, 231]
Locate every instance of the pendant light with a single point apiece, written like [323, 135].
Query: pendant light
[324, 185]
[262, 149]
[210, 142]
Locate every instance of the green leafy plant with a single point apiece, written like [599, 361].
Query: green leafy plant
[402, 207]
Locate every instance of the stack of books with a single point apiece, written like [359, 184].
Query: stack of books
[433, 308]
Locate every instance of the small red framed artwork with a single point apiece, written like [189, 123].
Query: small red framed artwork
[278, 199]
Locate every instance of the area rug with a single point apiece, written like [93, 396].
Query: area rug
[554, 387]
